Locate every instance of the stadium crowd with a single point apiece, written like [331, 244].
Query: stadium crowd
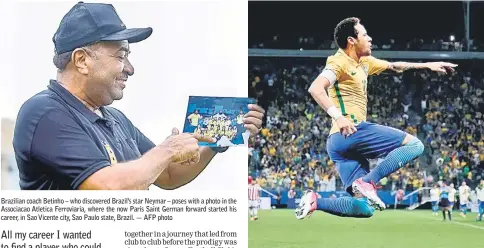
[454, 128]
[445, 112]
[312, 43]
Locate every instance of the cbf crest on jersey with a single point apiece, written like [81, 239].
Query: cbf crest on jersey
[112, 156]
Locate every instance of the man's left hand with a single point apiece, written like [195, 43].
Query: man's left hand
[253, 119]
[443, 67]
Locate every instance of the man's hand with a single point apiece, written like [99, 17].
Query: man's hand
[253, 119]
[184, 147]
[441, 66]
[345, 126]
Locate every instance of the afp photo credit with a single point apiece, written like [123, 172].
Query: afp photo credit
[373, 127]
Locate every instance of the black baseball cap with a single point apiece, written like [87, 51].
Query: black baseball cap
[87, 23]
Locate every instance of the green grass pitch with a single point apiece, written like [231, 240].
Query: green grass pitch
[387, 229]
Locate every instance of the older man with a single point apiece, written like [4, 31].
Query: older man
[66, 136]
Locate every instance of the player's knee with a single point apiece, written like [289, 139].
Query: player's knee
[420, 147]
[417, 144]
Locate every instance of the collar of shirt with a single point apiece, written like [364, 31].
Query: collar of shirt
[70, 99]
[350, 59]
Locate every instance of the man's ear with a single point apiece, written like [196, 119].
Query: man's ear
[80, 60]
[351, 40]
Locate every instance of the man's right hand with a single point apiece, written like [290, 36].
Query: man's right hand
[184, 148]
[345, 126]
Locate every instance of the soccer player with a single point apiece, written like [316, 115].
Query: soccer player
[434, 199]
[451, 196]
[464, 194]
[240, 116]
[444, 202]
[480, 198]
[254, 193]
[352, 139]
[194, 118]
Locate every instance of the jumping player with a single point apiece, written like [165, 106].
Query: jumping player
[352, 139]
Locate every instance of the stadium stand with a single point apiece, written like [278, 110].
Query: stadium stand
[391, 44]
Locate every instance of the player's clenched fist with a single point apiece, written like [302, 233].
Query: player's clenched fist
[184, 148]
[345, 126]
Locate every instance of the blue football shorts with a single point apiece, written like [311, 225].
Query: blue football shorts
[369, 142]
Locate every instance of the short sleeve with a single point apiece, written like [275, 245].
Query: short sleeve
[332, 71]
[376, 66]
[66, 149]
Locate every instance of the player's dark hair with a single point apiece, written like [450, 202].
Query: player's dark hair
[345, 29]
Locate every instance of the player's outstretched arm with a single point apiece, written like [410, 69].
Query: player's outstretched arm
[434, 66]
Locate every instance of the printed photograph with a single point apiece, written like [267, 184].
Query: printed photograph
[80, 118]
[221, 118]
[374, 127]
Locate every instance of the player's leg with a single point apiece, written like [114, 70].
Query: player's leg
[398, 147]
[349, 206]
[256, 208]
[443, 213]
[451, 209]
[434, 207]
[449, 213]
[444, 204]
[343, 206]
[352, 165]
[251, 210]
[481, 211]
[463, 207]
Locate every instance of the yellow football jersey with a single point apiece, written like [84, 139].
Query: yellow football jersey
[194, 118]
[348, 85]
